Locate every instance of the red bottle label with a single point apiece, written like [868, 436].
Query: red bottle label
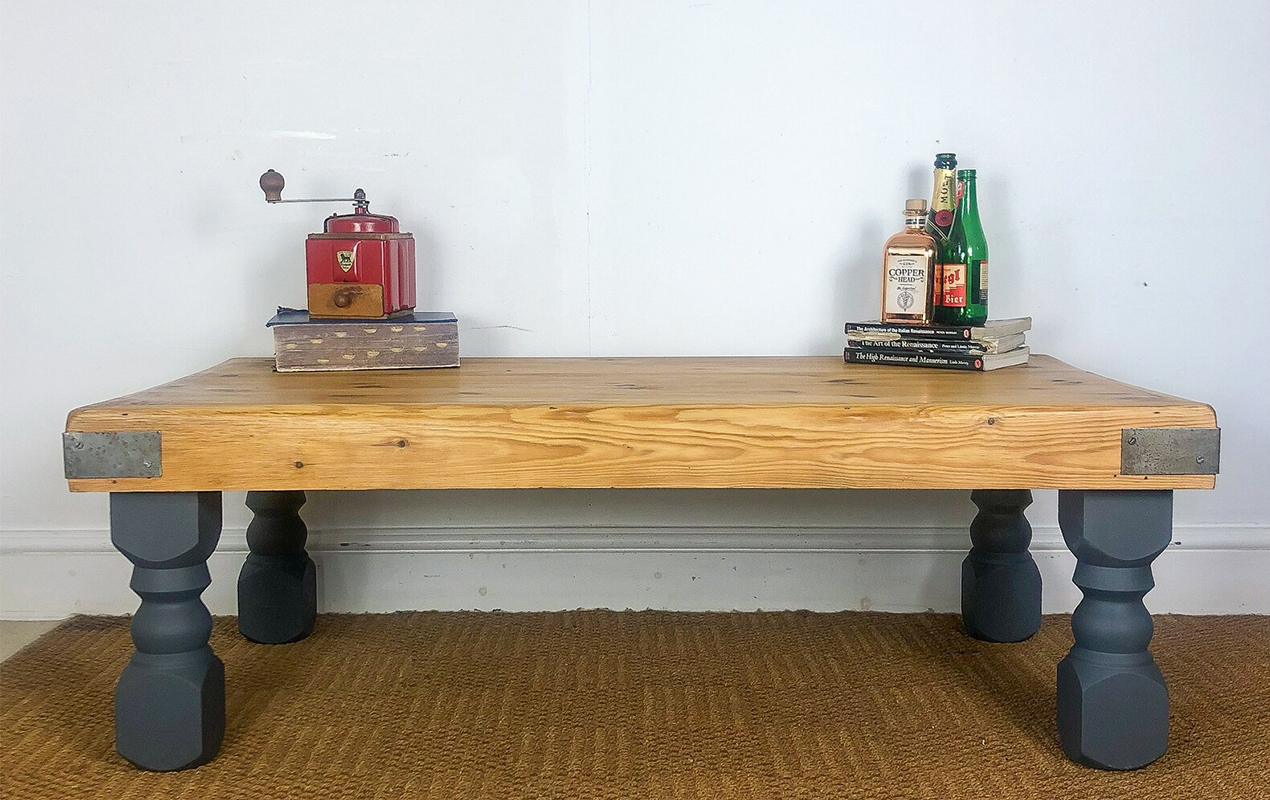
[954, 285]
[937, 292]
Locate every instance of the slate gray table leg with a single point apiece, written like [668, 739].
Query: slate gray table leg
[1113, 705]
[170, 700]
[1000, 584]
[277, 588]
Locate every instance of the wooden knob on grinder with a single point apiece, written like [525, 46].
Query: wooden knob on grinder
[271, 182]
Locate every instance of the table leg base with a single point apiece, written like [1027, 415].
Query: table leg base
[1000, 584]
[1113, 711]
[170, 710]
[1000, 597]
[277, 588]
[277, 598]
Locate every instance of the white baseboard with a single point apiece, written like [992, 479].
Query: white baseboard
[1208, 570]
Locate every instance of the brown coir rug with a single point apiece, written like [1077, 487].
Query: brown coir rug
[598, 704]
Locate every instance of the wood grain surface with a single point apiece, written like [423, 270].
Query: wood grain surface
[642, 422]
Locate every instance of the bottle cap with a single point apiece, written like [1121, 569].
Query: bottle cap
[945, 161]
[915, 206]
[965, 173]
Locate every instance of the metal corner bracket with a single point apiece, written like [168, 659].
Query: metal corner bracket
[123, 454]
[1170, 451]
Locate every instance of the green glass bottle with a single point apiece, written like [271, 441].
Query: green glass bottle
[964, 271]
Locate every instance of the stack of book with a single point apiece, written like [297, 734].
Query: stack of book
[993, 345]
[411, 340]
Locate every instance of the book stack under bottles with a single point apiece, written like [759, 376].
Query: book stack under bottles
[995, 344]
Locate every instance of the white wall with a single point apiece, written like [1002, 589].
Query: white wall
[630, 178]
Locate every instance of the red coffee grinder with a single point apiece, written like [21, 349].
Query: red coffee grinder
[361, 264]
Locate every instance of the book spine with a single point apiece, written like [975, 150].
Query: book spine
[906, 359]
[936, 332]
[379, 344]
[919, 346]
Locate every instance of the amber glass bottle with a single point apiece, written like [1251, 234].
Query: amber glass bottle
[908, 270]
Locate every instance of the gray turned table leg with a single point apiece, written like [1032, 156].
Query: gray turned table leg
[170, 700]
[1113, 706]
[277, 588]
[1000, 584]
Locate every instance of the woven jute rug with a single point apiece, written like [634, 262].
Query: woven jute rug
[599, 704]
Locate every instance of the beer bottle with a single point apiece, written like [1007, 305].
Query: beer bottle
[964, 271]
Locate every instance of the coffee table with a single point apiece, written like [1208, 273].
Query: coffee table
[1115, 453]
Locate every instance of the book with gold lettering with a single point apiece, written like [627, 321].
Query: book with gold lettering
[419, 340]
[958, 347]
[992, 329]
[995, 344]
[973, 363]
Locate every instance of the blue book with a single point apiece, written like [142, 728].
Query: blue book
[300, 316]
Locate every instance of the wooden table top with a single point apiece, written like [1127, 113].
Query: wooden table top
[642, 422]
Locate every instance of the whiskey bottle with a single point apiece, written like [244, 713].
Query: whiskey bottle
[908, 270]
[964, 266]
